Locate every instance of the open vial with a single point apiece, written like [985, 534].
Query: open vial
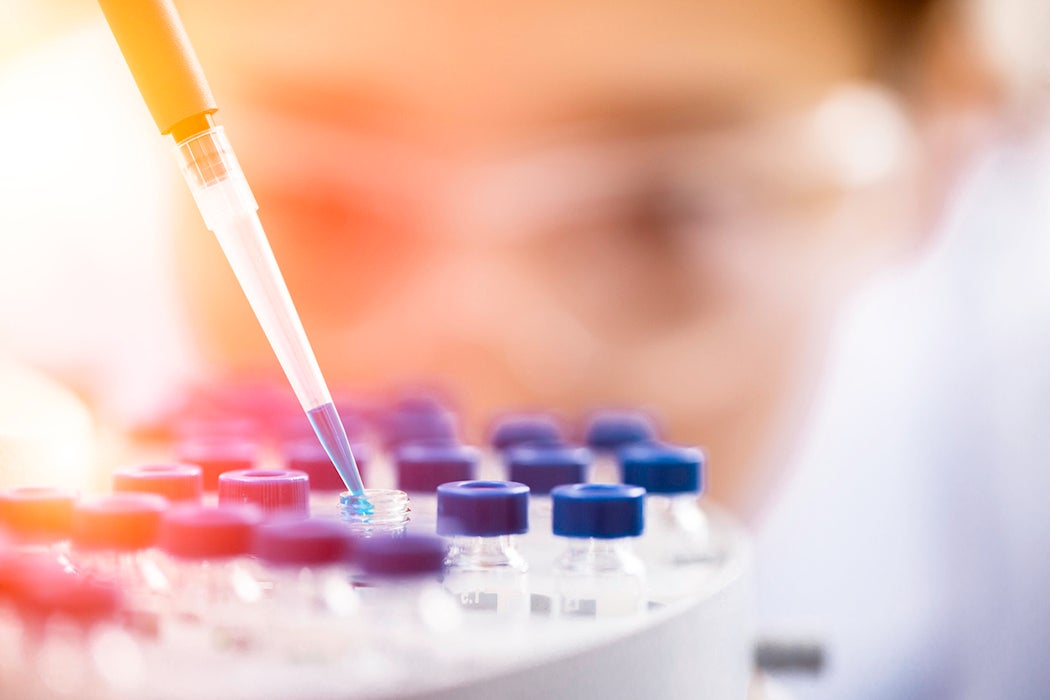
[383, 512]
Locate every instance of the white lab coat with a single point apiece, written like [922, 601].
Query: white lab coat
[914, 534]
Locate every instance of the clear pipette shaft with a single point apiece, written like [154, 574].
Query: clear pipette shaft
[230, 212]
[165, 67]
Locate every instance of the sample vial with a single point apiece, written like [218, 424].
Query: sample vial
[485, 571]
[380, 512]
[673, 477]
[312, 598]
[178, 483]
[404, 605]
[213, 582]
[543, 467]
[598, 575]
[275, 492]
[71, 643]
[607, 432]
[215, 455]
[39, 521]
[113, 540]
[423, 466]
[309, 456]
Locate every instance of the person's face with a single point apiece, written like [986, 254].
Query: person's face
[559, 205]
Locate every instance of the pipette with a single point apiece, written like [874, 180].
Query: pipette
[169, 76]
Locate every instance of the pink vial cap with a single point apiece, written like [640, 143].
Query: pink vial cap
[176, 482]
[41, 514]
[126, 521]
[203, 532]
[273, 491]
[217, 455]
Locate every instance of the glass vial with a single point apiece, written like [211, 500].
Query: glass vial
[598, 575]
[378, 512]
[485, 571]
[307, 613]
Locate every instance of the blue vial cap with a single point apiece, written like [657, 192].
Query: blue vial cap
[662, 468]
[610, 430]
[423, 466]
[401, 557]
[519, 429]
[542, 467]
[604, 511]
[482, 508]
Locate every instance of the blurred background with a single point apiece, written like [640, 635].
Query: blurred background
[811, 238]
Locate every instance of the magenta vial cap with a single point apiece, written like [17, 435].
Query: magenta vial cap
[273, 491]
[296, 543]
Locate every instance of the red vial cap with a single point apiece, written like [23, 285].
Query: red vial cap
[217, 455]
[204, 532]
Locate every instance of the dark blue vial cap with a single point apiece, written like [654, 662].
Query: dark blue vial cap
[542, 467]
[523, 428]
[662, 468]
[482, 508]
[404, 556]
[423, 466]
[603, 511]
[610, 430]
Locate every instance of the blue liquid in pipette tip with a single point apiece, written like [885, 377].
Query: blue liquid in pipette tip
[332, 435]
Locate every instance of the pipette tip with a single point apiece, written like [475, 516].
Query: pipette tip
[330, 431]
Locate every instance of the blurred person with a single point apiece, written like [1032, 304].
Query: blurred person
[573, 204]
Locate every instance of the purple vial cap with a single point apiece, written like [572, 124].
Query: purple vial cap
[482, 508]
[609, 430]
[524, 428]
[423, 466]
[542, 467]
[309, 456]
[311, 542]
[203, 532]
[176, 482]
[218, 455]
[406, 556]
[420, 418]
[274, 491]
